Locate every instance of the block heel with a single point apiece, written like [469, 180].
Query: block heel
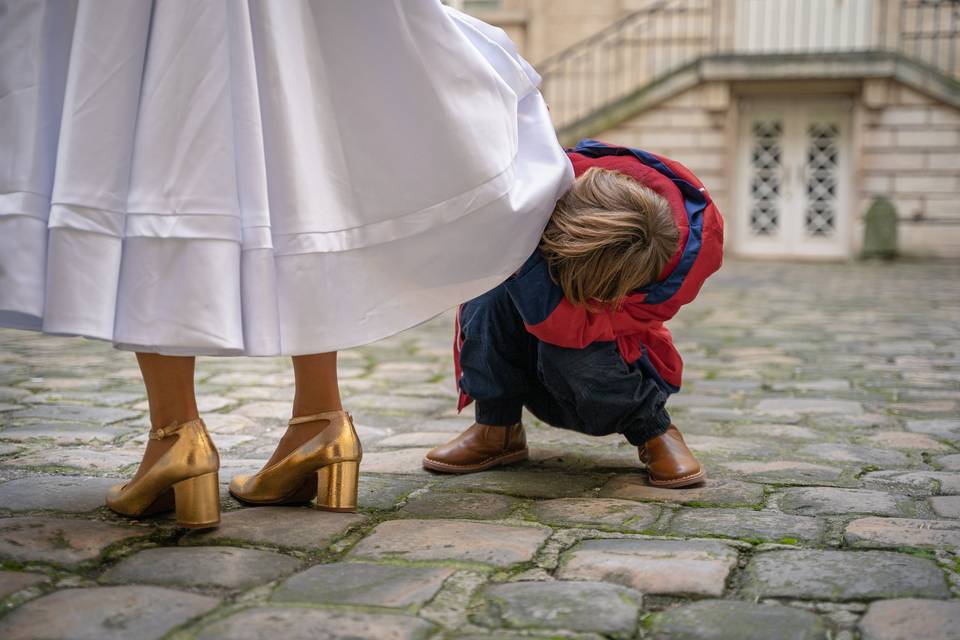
[193, 457]
[198, 501]
[337, 486]
[325, 466]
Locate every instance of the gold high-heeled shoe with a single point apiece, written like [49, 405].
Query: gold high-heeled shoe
[326, 466]
[184, 479]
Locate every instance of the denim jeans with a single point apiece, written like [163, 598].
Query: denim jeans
[591, 390]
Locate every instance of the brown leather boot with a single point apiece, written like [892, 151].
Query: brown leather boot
[669, 462]
[479, 448]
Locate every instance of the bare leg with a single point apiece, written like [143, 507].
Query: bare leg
[169, 383]
[317, 391]
[317, 386]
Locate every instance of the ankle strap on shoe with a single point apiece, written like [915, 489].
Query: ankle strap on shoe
[162, 432]
[326, 415]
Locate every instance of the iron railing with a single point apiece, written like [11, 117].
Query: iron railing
[927, 31]
[650, 44]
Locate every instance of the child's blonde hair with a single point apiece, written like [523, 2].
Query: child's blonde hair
[608, 235]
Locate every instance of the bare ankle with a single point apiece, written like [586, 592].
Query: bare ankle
[166, 415]
[309, 409]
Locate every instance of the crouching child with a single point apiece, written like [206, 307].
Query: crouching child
[577, 334]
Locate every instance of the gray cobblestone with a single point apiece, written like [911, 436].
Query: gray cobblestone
[838, 575]
[910, 618]
[720, 620]
[832, 452]
[107, 613]
[472, 506]
[719, 493]
[786, 472]
[273, 622]
[923, 482]
[663, 567]
[902, 532]
[223, 567]
[59, 540]
[427, 540]
[13, 581]
[735, 523]
[385, 492]
[949, 428]
[303, 527]
[71, 494]
[380, 585]
[602, 512]
[400, 461]
[813, 501]
[793, 406]
[945, 506]
[74, 413]
[825, 411]
[529, 483]
[83, 460]
[574, 606]
[950, 462]
[63, 433]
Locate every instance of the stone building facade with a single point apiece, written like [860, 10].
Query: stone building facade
[797, 114]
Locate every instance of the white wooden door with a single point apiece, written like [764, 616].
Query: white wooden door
[794, 179]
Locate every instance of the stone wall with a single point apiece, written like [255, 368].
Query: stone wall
[691, 128]
[910, 152]
[541, 28]
[906, 147]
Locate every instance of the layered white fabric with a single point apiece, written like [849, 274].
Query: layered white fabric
[261, 177]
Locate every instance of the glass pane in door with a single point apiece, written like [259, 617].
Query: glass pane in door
[766, 177]
[821, 175]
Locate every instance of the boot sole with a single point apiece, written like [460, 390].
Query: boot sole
[508, 458]
[677, 483]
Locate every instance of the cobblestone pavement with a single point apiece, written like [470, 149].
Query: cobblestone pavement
[824, 400]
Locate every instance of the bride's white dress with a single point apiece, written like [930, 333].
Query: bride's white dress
[261, 177]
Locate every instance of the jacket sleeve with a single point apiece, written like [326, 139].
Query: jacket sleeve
[548, 315]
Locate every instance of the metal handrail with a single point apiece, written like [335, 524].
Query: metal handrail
[647, 45]
[616, 27]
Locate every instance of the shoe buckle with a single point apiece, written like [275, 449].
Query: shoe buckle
[162, 432]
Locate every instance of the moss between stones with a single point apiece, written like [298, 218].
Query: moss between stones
[120, 549]
[867, 468]
[192, 627]
[61, 470]
[11, 565]
[718, 536]
[591, 526]
[697, 504]
[920, 553]
[460, 565]
[60, 541]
